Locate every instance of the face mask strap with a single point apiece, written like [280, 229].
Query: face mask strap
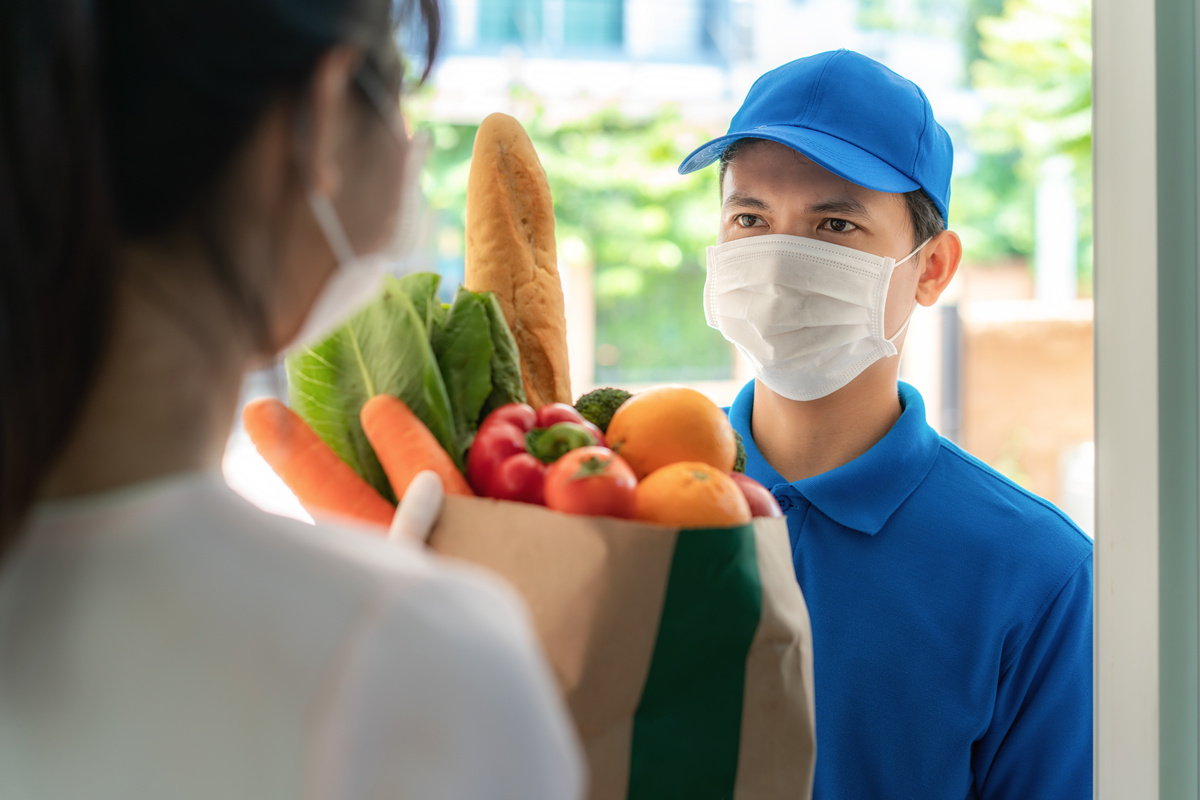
[331, 226]
[322, 207]
[914, 252]
[904, 326]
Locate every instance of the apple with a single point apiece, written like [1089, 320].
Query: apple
[762, 502]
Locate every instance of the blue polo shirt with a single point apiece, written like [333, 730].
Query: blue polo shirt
[951, 619]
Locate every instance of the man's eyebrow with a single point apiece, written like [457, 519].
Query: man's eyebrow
[840, 205]
[742, 200]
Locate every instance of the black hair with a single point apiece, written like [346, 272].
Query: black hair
[926, 220]
[728, 154]
[119, 120]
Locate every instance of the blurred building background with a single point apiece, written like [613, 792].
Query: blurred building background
[614, 94]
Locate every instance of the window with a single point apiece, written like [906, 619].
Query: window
[557, 23]
[511, 21]
[592, 22]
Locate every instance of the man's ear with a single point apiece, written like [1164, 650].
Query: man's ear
[324, 124]
[941, 262]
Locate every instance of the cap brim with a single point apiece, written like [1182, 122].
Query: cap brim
[836, 155]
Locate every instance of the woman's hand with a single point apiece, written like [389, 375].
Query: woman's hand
[419, 509]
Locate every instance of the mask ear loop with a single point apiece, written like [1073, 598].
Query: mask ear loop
[326, 218]
[331, 226]
[904, 325]
[320, 203]
[913, 253]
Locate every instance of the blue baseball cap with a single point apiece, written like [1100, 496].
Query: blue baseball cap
[854, 117]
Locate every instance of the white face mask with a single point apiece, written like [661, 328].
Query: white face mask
[807, 314]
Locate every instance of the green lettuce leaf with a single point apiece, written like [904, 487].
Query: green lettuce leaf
[451, 364]
[383, 349]
[464, 349]
[507, 386]
[421, 288]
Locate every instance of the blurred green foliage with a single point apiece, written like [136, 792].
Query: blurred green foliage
[1030, 63]
[941, 18]
[1035, 76]
[620, 207]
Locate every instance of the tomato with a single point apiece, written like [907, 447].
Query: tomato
[593, 481]
[762, 502]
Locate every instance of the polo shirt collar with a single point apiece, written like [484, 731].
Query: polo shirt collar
[864, 493]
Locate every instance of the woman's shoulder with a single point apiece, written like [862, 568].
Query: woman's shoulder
[333, 641]
[193, 544]
[339, 563]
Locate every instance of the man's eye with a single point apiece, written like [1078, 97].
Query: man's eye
[839, 225]
[747, 220]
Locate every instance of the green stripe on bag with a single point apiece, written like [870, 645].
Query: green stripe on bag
[687, 727]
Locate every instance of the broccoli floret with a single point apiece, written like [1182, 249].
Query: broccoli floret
[739, 463]
[599, 405]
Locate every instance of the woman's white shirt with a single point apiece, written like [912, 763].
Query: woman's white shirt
[173, 641]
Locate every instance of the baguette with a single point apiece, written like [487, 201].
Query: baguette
[511, 252]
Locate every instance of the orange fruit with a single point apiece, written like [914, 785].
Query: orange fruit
[666, 424]
[691, 494]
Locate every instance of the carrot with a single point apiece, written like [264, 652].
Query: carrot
[405, 446]
[320, 480]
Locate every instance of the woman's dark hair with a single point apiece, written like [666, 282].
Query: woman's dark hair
[926, 220]
[118, 121]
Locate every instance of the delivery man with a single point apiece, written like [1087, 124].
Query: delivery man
[951, 609]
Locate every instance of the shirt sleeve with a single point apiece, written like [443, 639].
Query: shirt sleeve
[1039, 744]
[445, 694]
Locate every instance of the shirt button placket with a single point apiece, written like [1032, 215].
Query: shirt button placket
[795, 509]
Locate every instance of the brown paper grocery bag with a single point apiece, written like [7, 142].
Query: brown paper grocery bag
[685, 657]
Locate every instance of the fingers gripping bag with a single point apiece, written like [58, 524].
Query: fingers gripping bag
[684, 654]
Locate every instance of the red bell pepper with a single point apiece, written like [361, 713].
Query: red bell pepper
[513, 446]
[552, 413]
